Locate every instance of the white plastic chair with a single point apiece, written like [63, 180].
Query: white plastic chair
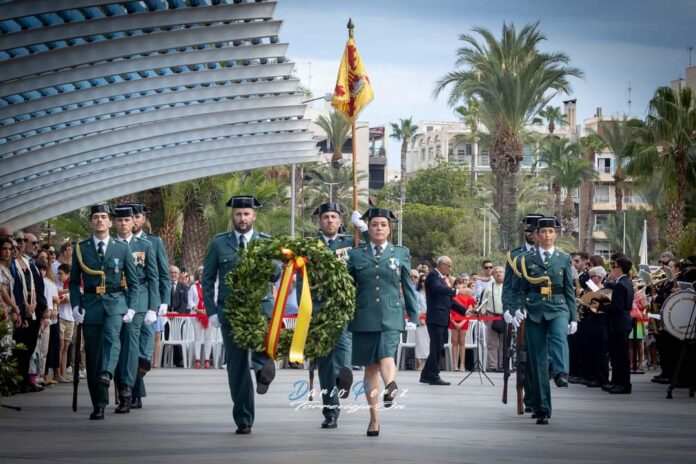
[179, 328]
[404, 345]
[448, 351]
[218, 348]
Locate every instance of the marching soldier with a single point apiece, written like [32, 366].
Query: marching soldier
[146, 343]
[512, 298]
[382, 273]
[146, 311]
[335, 374]
[222, 257]
[549, 307]
[100, 262]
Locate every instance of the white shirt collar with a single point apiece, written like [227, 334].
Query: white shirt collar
[127, 240]
[247, 236]
[383, 245]
[528, 247]
[550, 250]
[327, 238]
[139, 234]
[97, 240]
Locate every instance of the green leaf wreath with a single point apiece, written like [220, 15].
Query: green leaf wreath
[9, 378]
[333, 295]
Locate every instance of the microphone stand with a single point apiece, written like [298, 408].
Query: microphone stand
[478, 367]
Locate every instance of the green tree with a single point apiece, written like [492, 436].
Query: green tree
[322, 184]
[444, 184]
[337, 130]
[592, 145]
[634, 232]
[665, 147]
[512, 79]
[552, 115]
[571, 172]
[405, 132]
[616, 135]
[553, 152]
[469, 115]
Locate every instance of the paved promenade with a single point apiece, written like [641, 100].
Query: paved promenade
[188, 419]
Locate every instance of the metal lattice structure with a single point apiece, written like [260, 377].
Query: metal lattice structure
[103, 98]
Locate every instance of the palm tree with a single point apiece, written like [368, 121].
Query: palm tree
[512, 80]
[616, 135]
[666, 148]
[592, 145]
[337, 129]
[614, 228]
[197, 195]
[322, 184]
[552, 115]
[554, 152]
[405, 131]
[172, 200]
[570, 172]
[469, 115]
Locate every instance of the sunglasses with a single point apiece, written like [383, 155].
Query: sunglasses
[488, 267]
[21, 240]
[34, 243]
[51, 252]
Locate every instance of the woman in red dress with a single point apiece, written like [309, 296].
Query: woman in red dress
[458, 325]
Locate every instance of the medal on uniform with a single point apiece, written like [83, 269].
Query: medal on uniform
[116, 263]
[393, 264]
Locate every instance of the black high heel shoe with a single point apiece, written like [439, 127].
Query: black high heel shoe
[372, 433]
[390, 393]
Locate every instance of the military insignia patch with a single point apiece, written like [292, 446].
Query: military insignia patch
[139, 258]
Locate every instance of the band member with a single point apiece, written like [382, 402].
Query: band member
[146, 311]
[100, 262]
[618, 319]
[335, 374]
[512, 298]
[381, 271]
[146, 343]
[549, 307]
[222, 257]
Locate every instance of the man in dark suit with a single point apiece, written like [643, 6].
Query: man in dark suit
[618, 317]
[179, 292]
[438, 296]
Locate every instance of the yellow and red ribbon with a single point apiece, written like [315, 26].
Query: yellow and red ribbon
[304, 314]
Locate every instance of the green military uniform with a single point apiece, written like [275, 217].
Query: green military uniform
[379, 307]
[148, 299]
[146, 343]
[103, 313]
[340, 356]
[512, 301]
[548, 316]
[221, 258]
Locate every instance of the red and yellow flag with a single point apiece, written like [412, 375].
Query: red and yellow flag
[353, 88]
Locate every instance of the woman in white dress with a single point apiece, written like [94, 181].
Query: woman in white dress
[422, 337]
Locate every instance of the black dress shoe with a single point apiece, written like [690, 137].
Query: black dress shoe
[124, 405]
[438, 382]
[593, 384]
[542, 418]
[607, 387]
[390, 392]
[620, 390]
[105, 379]
[329, 423]
[97, 414]
[136, 403]
[561, 380]
[264, 377]
[243, 430]
[372, 433]
[344, 381]
[574, 379]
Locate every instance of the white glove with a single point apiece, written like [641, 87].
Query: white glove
[77, 315]
[507, 316]
[162, 310]
[214, 321]
[357, 221]
[411, 326]
[572, 327]
[520, 315]
[150, 317]
[128, 317]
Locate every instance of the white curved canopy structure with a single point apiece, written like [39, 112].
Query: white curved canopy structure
[103, 98]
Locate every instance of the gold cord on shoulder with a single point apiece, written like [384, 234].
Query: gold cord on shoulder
[513, 264]
[92, 272]
[537, 280]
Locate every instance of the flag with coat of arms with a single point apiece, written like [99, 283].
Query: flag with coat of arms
[353, 88]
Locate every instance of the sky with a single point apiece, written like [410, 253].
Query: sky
[407, 45]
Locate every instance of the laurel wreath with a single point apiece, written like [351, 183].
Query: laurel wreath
[333, 295]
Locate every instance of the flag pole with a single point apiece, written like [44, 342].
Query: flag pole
[356, 232]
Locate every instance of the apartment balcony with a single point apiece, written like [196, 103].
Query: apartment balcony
[599, 234]
[605, 177]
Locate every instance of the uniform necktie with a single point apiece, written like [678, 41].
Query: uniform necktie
[242, 242]
[100, 251]
[330, 242]
[547, 255]
[378, 251]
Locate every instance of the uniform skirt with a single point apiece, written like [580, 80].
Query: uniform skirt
[370, 347]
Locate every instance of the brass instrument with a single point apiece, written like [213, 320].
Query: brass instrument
[591, 300]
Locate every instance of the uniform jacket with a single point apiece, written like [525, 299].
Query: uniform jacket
[117, 261]
[221, 258]
[618, 312]
[438, 297]
[559, 270]
[162, 262]
[146, 268]
[378, 285]
[179, 301]
[512, 298]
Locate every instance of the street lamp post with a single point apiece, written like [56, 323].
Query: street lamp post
[624, 231]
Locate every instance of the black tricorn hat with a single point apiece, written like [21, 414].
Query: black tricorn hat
[379, 212]
[530, 221]
[548, 221]
[327, 208]
[243, 201]
[138, 208]
[123, 211]
[101, 208]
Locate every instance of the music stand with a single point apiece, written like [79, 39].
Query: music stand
[477, 360]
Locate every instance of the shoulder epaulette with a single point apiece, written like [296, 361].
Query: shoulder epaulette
[85, 241]
[222, 234]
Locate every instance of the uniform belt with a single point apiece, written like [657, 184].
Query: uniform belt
[142, 280]
[554, 290]
[116, 289]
